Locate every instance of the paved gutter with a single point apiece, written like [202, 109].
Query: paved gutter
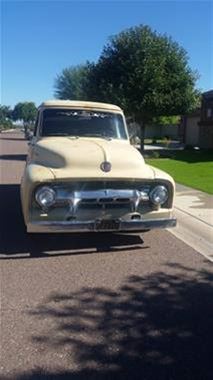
[194, 212]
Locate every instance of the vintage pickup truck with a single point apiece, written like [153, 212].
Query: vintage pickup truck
[82, 174]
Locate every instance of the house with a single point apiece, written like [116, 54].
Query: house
[189, 128]
[206, 121]
[196, 129]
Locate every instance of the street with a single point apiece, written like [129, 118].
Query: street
[95, 306]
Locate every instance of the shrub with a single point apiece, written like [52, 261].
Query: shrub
[154, 140]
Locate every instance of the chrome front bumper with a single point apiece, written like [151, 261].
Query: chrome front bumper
[91, 226]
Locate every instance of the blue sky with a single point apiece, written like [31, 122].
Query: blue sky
[40, 38]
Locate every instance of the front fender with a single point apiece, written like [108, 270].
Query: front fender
[34, 174]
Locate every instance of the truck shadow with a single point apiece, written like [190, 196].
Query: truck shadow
[155, 327]
[15, 242]
[13, 157]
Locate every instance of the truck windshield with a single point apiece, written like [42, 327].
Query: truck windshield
[82, 123]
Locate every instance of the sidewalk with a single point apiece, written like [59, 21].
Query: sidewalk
[194, 213]
[172, 146]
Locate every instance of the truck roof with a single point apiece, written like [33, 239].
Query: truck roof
[80, 104]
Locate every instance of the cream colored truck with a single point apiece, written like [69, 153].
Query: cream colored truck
[82, 174]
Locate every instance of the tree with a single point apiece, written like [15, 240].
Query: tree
[72, 83]
[26, 112]
[147, 74]
[5, 117]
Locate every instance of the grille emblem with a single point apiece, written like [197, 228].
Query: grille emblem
[106, 166]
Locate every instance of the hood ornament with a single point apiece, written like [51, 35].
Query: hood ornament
[106, 166]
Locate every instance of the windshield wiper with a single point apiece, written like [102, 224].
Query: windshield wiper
[59, 134]
[77, 137]
[97, 135]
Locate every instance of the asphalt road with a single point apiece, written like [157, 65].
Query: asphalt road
[98, 307]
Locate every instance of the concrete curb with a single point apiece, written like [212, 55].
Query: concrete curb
[194, 213]
[8, 130]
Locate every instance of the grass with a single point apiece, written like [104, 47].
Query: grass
[190, 168]
[161, 140]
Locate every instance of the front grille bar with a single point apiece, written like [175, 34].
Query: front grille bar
[103, 197]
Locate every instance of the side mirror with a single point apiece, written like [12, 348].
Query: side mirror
[132, 139]
[29, 135]
[135, 140]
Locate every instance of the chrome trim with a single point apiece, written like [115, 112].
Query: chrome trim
[89, 226]
[109, 196]
[65, 190]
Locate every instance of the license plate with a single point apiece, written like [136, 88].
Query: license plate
[107, 225]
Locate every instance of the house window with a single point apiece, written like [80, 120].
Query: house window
[209, 113]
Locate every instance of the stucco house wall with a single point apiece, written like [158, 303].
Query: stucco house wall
[206, 121]
[206, 136]
[192, 131]
[152, 131]
[196, 129]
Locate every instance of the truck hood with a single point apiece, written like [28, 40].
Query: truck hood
[69, 157]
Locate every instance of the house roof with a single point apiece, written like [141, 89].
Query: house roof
[208, 94]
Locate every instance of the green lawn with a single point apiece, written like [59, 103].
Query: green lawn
[190, 168]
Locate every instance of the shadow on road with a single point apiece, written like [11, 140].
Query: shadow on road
[13, 157]
[198, 199]
[156, 327]
[189, 156]
[2, 137]
[16, 243]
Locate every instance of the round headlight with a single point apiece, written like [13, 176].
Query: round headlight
[159, 195]
[45, 196]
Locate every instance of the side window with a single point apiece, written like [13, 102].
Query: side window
[36, 125]
[209, 113]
